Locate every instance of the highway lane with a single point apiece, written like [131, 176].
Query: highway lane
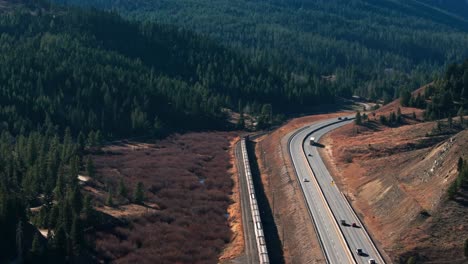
[326, 203]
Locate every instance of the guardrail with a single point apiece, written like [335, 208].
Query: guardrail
[258, 227]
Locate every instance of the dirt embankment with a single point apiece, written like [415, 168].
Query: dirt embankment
[236, 246]
[397, 179]
[295, 228]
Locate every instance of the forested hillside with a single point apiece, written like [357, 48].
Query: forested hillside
[372, 48]
[458, 7]
[449, 94]
[95, 71]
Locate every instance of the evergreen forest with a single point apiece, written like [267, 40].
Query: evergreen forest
[371, 48]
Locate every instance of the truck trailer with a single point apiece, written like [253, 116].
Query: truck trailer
[312, 141]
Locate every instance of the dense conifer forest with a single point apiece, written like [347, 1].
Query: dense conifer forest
[372, 48]
[91, 71]
[449, 94]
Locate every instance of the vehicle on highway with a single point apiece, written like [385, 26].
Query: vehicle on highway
[310, 155]
[345, 118]
[306, 180]
[343, 222]
[312, 141]
[372, 261]
[359, 251]
[339, 118]
[354, 225]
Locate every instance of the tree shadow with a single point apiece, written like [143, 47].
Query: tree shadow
[372, 125]
[461, 200]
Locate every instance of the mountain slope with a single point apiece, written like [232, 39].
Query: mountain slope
[91, 70]
[459, 7]
[372, 48]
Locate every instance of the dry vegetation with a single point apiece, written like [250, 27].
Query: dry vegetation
[188, 188]
[397, 179]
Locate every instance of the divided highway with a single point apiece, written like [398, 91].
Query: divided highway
[327, 204]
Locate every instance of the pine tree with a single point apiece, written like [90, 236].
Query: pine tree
[90, 169]
[54, 215]
[465, 248]
[76, 200]
[411, 260]
[122, 189]
[19, 242]
[139, 195]
[383, 120]
[91, 141]
[405, 98]
[74, 171]
[452, 190]
[81, 142]
[59, 242]
[461, 113]
[241, 121]
[67, 144]
[76, 236]
[358, 119]
[392, 118]
[439, 126]
[398, 116]
[109, 200]
[59, 186]
[98, 139]
[88, 210]
[460, 164]
[450, 121]
[36, 247]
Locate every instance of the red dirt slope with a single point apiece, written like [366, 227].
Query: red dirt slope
[397, 179]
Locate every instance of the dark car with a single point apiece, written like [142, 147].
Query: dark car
[359, 252]
[343, 222]
[372, 261]
[354, 225]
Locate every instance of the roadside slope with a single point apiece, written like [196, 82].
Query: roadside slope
[397, 180]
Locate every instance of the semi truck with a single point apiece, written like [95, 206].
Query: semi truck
[312, 141]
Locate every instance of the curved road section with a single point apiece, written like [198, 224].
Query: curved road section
[327, 205]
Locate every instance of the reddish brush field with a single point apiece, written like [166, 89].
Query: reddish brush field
[187, 187]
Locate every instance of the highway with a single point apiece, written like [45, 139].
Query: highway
[327, 204]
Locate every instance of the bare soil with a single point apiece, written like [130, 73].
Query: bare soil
[236, 247]
[191, 212]
[397, 179]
